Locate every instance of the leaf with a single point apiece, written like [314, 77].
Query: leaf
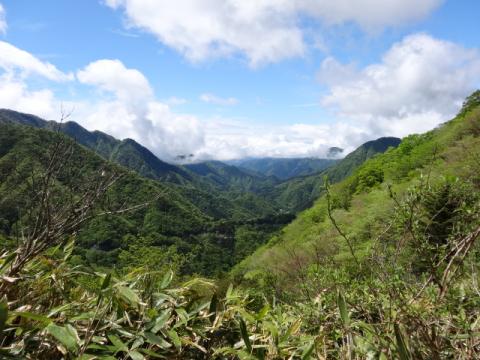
[183, 316]
[228, 295]
[106, 281]
[264, 311]
[156, 340]
[135, 355]
[213, 308]
[151, 353]
[83, 316]
[68, 249]
[105, 284]
[66, 335]
[172, 334]
[3, 314]
[31, 316]
[160, 321]
[167, 279]
[401, 345]
[293, 329]
[342, 306]
[58, 309]
[244, 333]
[117, 343]
[8, 260]
[128, 295]
[307, 353]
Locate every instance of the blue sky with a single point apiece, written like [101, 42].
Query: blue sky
[226, 79]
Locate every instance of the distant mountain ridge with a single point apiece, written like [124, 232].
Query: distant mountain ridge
[299, 193]
[284, 168]
[139, 157]
[222, 190]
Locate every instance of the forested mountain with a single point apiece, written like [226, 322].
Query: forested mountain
[438, 159]
[222, 191]
[384, 265]
[209, 205]
[299, 193]
[127, 152]
[170, 222]
[228, 194]
[284, 168]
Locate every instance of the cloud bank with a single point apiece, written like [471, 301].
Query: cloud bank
[420, 82]
[417, 84]
[262, 31]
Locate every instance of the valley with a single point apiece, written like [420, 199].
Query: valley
[216, 220]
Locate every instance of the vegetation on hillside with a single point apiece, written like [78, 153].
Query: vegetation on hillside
[383, 266]
[164, 220]
[284, 168]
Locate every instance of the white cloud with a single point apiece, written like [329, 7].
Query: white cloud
[213, 99]
[226, 139]
[3, 20]
[15, 95]
[13, 59]
[369, 14]
[263, 31]
[128, 85]
[127, 107]
[420, 82]
[16, 66]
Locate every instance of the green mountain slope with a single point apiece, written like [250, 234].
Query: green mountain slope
[216, 192]
[299, 193]
[448, 154]
[220, 190]
[384, 266]
[171, 223]
[127, 153]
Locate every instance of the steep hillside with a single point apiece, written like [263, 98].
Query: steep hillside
[384, 266]
[218, 186]
[299, 193]
[284, 168]
[220, 190]
[363, 204]
[127, 152]
[168, 219]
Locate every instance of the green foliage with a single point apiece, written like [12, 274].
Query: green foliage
[404, 287]
[164, 213]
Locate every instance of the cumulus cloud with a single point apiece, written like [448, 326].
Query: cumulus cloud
[127, 107]
[369, 14]
[420, 82]
[263, 31]
[213, 99]
[226, 139]
[15, 95]
[128, 85]
[13, 59]
[3, 20]
[16, 66]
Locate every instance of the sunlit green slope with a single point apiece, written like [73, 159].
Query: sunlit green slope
[363, 203]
